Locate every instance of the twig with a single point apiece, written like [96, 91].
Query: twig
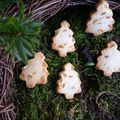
[45, 9]
[7, 108]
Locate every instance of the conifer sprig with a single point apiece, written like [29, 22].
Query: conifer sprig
[19, 35]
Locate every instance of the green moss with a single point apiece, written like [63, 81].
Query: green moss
[42, 102]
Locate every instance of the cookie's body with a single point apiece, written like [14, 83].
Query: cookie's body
[69, 82]
[63, 41]
[109, 61]
[35, 72]
[101, 20]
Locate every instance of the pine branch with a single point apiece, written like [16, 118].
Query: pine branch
[19, 35]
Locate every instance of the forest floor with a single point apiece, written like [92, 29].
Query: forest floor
[100, 97]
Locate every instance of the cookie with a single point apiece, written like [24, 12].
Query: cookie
[109, 60]
[63, 41]
[101, 20]
[35, 72]
[69, 83]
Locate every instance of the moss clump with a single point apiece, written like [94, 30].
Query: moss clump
[99, 99]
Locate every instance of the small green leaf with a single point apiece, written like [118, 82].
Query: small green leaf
[11, 45]
[21, 52]
[1, 40]
[27, 52]
[89, 64]
[27, 45]
[16, 54]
